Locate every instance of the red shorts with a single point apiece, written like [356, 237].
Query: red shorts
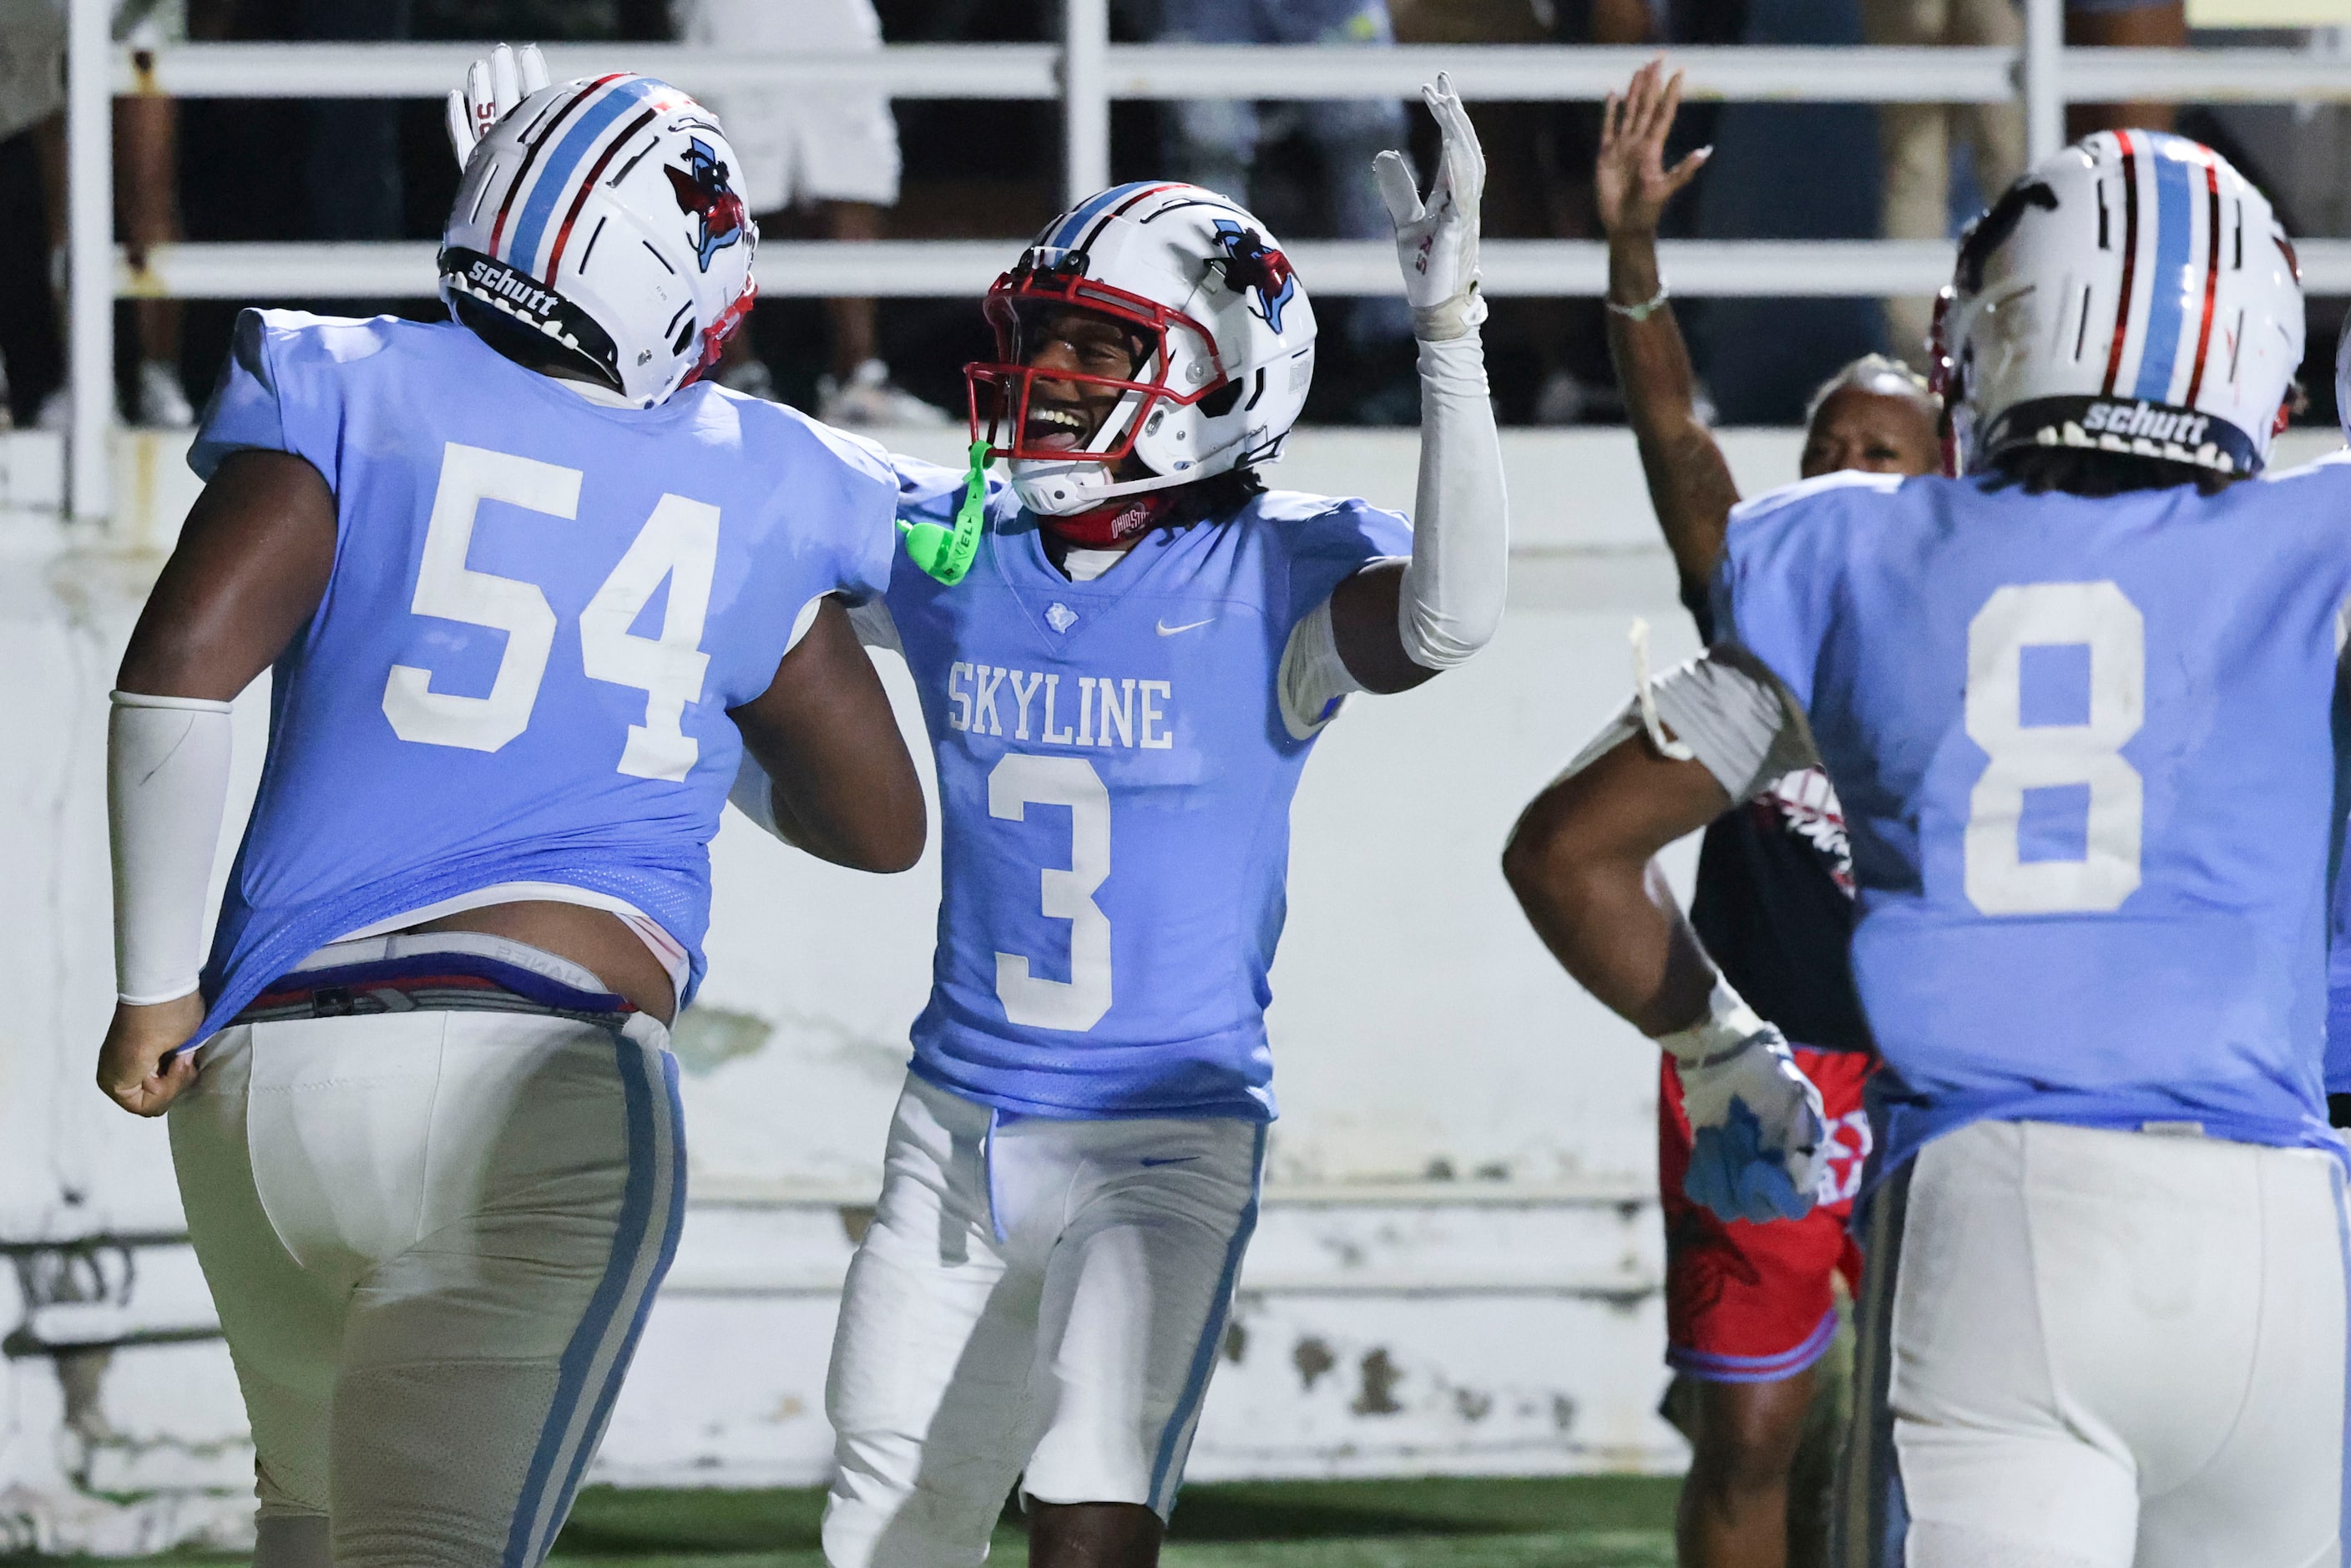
[1754, 1303]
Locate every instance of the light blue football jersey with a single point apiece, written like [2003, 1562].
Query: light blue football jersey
[539, 613]
[1115, 777]
[2087, 755]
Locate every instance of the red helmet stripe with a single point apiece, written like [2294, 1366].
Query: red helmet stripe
[580, 197]
[522, 176]
[1122, 210]
[2211, 276]
[2130, 261]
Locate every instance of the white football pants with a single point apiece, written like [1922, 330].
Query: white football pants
[433, 1238]
[1036, 1299]
[2092, 1349]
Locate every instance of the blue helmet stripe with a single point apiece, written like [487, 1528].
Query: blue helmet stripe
[1066, 233]
[2170, 282]
[530, 229]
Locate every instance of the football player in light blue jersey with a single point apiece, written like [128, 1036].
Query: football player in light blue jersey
[1124, 656]
[525, 596]
[2080, 704]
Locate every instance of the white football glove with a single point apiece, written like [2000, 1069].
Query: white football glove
[1437, 241]
[493, 88]
[1757, 1135]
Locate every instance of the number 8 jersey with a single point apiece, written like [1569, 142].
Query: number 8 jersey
[1115, 771]
[539, 613]
[2088, 754]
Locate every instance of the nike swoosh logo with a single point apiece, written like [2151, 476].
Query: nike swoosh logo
[1165, 630]
[1170, 1160]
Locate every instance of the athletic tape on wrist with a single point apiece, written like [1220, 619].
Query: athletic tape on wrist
[1729, 1029]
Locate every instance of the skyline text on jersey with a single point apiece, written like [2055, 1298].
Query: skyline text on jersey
[1129, 712]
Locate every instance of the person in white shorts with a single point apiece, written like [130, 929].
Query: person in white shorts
[836, 150]
[425, 1119]
[2080, 703]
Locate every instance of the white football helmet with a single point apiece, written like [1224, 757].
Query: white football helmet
[2133, 294]
[1227, 332]
[604, 216]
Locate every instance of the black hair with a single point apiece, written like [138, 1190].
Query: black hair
[2077, 471]
[1216, 499]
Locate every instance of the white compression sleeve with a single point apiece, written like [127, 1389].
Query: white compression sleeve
[1312, 677]
[1453, 588]
[874, 627]
[166, 787]
[753, 794]
[1728, 712]
[1737, 718]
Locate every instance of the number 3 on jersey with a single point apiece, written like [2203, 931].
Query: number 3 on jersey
[679, 541]
[2080, 759]
[1078, 1003]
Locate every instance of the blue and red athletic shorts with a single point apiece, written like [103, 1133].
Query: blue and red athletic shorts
[1749, 1303]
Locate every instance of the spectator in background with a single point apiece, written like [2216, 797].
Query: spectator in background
[32, 211]
[1918, 142]
[833, 150]
[1788, 170]
[351, 164]
[32, 97]
[2123, 24]
[1215, 141]
[147, 209]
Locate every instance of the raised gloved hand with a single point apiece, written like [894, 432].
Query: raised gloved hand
[1757, 1135]
[1437, 241]
[493, 88]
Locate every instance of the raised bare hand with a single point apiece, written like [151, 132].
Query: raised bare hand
[1630, 182]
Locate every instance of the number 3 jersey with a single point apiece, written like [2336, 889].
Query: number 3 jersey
[2087, 753]
[539, 613]
[1116, 773]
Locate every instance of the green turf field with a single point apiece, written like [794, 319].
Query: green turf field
[1600, 1521]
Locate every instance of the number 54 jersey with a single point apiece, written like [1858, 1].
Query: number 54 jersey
[539, 613]
[2088, 752]
[1116, 773]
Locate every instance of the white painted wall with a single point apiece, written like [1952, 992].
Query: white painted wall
[1457, 1271]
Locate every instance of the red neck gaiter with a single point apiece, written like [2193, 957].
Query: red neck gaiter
[1112, 523]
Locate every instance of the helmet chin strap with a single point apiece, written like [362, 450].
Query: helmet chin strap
[1118, 521]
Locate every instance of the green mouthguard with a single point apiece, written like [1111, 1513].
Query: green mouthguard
[946, 553]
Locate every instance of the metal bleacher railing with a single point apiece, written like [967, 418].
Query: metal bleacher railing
[1086, 72]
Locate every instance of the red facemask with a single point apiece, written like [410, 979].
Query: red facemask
[1001, 389]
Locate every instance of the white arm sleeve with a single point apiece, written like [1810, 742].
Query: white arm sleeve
[753, 794]
[803, 621]
[167, 762]
[874, 627]
[1730, 713]
[1736, 717]
[1453, 588]
[1313, 679]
